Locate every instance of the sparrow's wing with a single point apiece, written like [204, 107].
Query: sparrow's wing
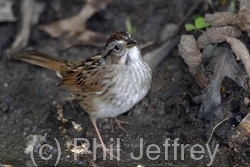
[85, 78]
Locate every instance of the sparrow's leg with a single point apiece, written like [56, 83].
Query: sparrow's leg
[100, 139]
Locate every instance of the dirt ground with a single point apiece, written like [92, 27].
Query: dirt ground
[30, 100]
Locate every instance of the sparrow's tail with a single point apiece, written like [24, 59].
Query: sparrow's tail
[59, 65]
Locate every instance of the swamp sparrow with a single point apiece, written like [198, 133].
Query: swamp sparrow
[105, 85]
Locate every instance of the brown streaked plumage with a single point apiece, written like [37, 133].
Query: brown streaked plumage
[105, 85]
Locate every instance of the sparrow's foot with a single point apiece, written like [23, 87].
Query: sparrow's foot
[118, 123]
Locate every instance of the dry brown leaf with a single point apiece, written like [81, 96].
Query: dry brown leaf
[217, 35]
[73, 30]
[223, 65]
[241, 53]
[87, 37]
[241, 20]
[71, 25]
[191, 55]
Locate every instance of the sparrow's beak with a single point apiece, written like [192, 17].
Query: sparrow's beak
[131, 43]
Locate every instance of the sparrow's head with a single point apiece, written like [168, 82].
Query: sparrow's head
[121, 48]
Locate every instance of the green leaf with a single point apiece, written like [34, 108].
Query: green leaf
[231, 8]
[133, 30]
[201, 23]
[129, 27]
[196, 16]
[189, 27]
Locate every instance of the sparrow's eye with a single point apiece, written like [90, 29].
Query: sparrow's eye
[117, 47]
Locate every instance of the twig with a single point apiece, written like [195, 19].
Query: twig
[147, 44]
[23, 35]
[211, 135]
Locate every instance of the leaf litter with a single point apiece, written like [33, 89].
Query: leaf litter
[222, 65]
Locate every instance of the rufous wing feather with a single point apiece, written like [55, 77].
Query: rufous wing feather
[82, 81]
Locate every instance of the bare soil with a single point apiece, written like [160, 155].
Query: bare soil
[29, 97]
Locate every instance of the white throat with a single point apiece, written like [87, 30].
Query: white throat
[134, 53]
